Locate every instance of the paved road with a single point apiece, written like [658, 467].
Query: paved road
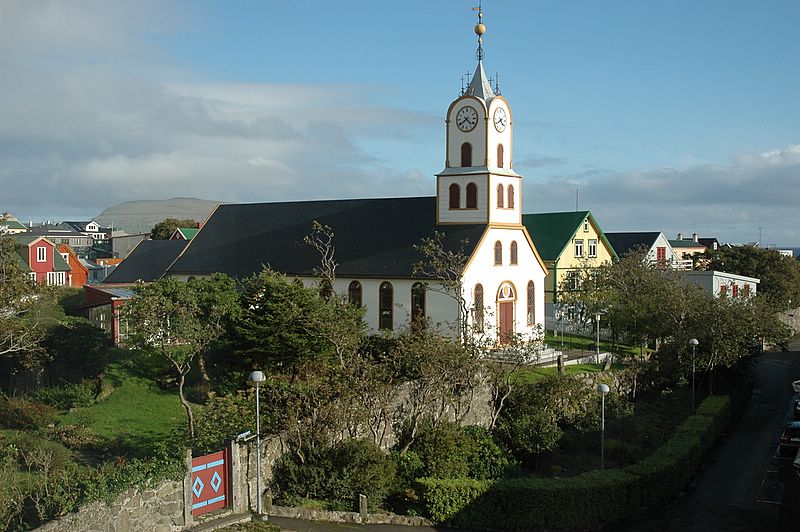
[742, 486]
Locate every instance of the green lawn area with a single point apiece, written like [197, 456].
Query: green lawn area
[586, 343]
[531, 375]
[137, 413]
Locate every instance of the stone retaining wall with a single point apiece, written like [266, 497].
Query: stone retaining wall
[348, 517]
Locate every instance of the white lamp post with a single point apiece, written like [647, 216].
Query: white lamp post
[597, 342]
[602, 389]
[693, 342]
[257, 378]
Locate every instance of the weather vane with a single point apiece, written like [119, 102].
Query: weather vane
[480, 29]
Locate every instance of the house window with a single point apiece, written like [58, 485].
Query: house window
[499, 155]
[746, 290]
[51, 278]
[65, 256]
[386, 306]
[418, 305]
[41, 254]
[32, 276]
[499, 196]
[735, 290]
[61, 279]
[579, 247]
[661, 257]
[723, 290]
[513, 259]
[531, 304]
[572, 280]
[592, 248]
[478, 311]
[498, 253]
[472, 196]
[510, 196]
[586, 226]
[466, 154]
[354, 293]
[455, 196]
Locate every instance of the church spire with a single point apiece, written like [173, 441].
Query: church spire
[480, 86]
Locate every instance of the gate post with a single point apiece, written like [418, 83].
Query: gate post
[239, 502]
[188, 520]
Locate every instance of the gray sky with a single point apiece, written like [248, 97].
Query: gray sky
[694, 130]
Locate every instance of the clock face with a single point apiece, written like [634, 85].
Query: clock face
[467, 118]
[500, 119]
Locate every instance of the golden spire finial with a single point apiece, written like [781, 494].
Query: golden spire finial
[480, 29]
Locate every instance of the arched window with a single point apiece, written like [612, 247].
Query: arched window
[499, 155]
[498, 253]
[513, 259]
[386, 306]
[510, 196]
[455, 196]
[499, 196]
[466, 154]
[472, 196]
[417, 305]
[354, 293]
[478, 311]
[531, 303]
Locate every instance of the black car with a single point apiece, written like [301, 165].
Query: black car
[790, 439]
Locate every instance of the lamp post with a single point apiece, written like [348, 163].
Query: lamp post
[257, 378]
[602, 389]
[693, 342]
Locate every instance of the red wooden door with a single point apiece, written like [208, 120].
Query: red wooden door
[506, 321]
[210, 483]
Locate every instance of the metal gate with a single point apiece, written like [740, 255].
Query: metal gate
[210, 483]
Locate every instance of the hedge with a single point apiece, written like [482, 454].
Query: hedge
[587, 501]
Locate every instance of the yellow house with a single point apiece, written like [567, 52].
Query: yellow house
[567, 242]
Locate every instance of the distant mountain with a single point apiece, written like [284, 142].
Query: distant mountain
[141, 216]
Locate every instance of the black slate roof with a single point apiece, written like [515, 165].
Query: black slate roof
[147, 261]
[372, 237]
[624, 243]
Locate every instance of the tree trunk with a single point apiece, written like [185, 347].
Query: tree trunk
[201, 367]
[185, 403]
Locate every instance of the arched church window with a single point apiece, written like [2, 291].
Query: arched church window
[531, 303]
[354, 293]
[498, 253]
[478, 310]
[499, 196]
[499, 155]
[417, 306]
[472, 196]
[455, 196]
[510, 196]
[513, 259]
[386, 306]
[466, 154]
[325, 289]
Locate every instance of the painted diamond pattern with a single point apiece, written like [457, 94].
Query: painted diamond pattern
[216, 480]
[197, 487]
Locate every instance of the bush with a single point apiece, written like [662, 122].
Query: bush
[20, 413]
[81, 347]
[336, 474]
[40, 454]
[68, 396]
[74, 436]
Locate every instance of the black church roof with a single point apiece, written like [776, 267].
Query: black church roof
[147, 261]
[372, 237]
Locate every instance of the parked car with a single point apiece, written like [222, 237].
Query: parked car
[790, 439]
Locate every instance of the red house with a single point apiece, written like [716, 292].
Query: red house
[42, 261]
[80, 273]
[102, 303]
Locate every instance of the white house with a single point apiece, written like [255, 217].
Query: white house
[477, 207]
[722, 283]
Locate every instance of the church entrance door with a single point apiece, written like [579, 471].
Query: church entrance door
[506, 297]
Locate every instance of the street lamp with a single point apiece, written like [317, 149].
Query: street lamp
[693, 342]
[257, 378]
[597, 342]
[602, 389]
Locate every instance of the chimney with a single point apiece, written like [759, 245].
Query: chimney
[679, 236]
[694, 237]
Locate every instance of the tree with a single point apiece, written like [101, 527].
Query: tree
[169, 318]
[779, 275]
[164, 229]
[19, 336]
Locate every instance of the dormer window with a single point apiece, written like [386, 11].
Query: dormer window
[472, 196]
[500, 156]
[455, 196]
[466, 154]
[499, 196]
[41, 254]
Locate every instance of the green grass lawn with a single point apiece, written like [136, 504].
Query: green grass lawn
[531, 375]
[586, 343]
[137, 413]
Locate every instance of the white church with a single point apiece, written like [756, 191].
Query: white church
[477, 206]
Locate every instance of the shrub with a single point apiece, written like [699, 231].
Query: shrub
[74, 436]
[488, 458]
[20, 413]
[68, 396]
[336, 474]
[81, 347]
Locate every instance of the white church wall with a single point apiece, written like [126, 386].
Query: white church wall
[505, 215]
[456, 137]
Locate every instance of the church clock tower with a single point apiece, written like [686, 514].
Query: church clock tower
[478, 184]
